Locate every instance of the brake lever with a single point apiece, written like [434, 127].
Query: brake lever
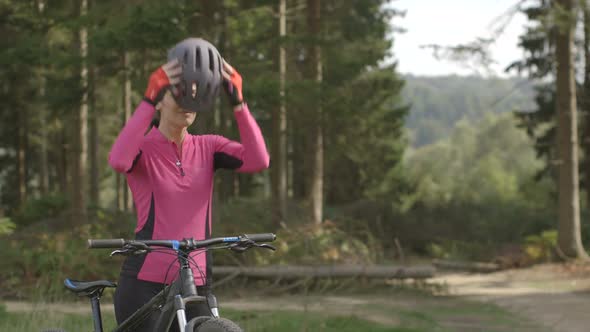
[266, 246]
[241, 247]
[131, 249]
[238, 249]
[121, 252]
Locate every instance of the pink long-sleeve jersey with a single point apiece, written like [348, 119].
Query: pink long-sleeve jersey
[172, 192]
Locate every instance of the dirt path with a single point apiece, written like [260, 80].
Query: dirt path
[418, 311]
[544, 294]
[547, 298]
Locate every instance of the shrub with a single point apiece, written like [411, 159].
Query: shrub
[37, 259]
[6, 226]
[45, 207]
[541, 247]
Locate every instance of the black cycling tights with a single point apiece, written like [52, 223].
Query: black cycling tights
[131, 294]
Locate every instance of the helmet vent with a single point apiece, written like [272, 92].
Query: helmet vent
[219, 63]
[201, 79]
[197, 58]
[211, 59]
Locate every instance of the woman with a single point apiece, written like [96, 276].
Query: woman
[170, 172]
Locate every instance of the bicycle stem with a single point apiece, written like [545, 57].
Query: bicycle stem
[186, 276]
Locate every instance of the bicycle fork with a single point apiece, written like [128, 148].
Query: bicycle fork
[180, 312]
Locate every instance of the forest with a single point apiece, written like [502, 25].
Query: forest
[368, 166]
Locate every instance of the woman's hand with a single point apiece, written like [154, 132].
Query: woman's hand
[167, 76]
[232, 84]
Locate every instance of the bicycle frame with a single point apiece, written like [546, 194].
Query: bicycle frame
[172, 299]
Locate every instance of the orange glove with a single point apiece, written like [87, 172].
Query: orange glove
[232, 84]
[163, 78]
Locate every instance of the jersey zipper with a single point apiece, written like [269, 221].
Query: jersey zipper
[178, 161]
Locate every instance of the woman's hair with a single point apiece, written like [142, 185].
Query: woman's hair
[155, 120]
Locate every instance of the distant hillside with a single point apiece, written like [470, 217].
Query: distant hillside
[438, 103]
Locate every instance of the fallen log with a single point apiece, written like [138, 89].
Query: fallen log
[328, 271]
[466, 266]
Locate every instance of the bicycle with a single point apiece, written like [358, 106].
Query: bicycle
[172, 300]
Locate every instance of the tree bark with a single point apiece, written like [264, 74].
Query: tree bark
[62, 169]
[328, 271]
[586, 104]
[317, 173]
[279, 153]
[21, 156]
[81, 135]
[94, 143]
[43, 158]
[569, 237]
[474, 267]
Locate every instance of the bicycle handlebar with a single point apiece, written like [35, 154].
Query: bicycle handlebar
[106, 243]
[186, 244]
[263, 237]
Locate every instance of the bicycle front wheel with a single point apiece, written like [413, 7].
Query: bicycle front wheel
[218, 325]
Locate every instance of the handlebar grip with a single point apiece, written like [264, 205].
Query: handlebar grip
[106, 243]
[264, 237]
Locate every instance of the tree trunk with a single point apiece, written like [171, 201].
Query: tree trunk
[586, 104]
[21, 156]
[327, 271]
[62, 163]
[94, 143]
[127, 198]
[81, 135]
[569, 238]
[43, 158]
[315, 195]
[279, 153]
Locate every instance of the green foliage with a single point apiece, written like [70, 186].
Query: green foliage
[45, 207]
[46, 320]
[539, 64]
[6, 226]
[407, 313]
[38, 258]
[491, 161]
[291, 321]
[369, 109]
[476, 187]
[438, 104]
[301, 243]
[285, 321]
[321, 244]
[541, 247]
[460, 250]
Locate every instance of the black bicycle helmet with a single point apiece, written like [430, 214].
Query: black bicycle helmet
[201, 74]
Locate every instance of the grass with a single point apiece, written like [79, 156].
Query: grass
[258, 321]
[37, 321]
[298, 321]
[426, 314]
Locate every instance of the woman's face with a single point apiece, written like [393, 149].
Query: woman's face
[171, 113]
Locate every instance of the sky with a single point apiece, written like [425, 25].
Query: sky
[452, 22]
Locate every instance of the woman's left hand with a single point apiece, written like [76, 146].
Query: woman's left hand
[232, 84]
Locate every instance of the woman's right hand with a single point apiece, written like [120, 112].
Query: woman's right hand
[168, 75]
